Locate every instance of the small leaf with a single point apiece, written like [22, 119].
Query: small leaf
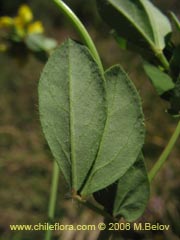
[132, 192]
[139, 21]
[123, 135]
[128, 196]
[72, 110]
[160, 80]
[175, 20]
[38, 42]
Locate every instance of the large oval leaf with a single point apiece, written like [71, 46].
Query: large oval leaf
[128, 196]
[139, 21]
[123, 135]
[72, 110]
[88, 140]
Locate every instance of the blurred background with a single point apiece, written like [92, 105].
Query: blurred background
[25, 159]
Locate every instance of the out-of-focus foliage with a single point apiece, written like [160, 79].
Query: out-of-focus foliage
[152, 32]
[20, 26]
[23, 32]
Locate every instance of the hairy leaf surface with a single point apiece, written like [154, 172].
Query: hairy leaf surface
[92, 133]
[132, 192]
[128, 196]
[123, 135]
[72, 110]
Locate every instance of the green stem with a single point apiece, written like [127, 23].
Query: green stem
[53, 197]
[80, 29]
[175, 20]
[95, 209]
[165, 153]
[163, 60]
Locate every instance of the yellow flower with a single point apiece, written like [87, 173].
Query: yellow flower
[6, 22]
[18, 23]
[19, 26]
[22, 24]
[25, 13]
[35, 27]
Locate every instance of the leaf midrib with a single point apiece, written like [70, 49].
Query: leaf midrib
[136, 26]
[71, 123]
[100, 146]
[152, 23]
[118, 153]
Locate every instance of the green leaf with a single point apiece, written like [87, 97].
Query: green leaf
[139, 21]
[89, 139]
[160, 80]
[123, 135]
[175, 20]
[38, 42]
[132, 192]
[72, 110]
[128, 196]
